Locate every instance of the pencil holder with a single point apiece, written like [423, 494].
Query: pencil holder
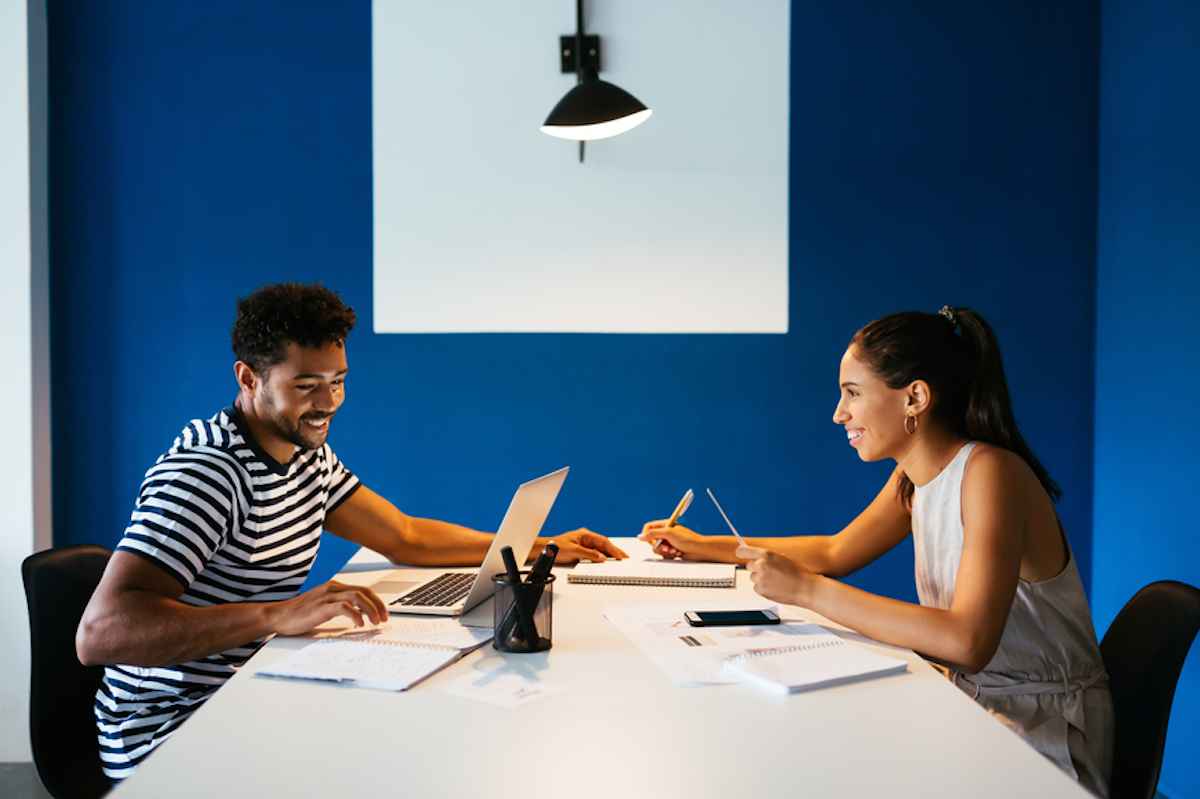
[524, 617]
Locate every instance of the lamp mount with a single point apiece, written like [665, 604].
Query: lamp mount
[591, 53]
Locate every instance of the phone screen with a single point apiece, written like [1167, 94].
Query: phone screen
[718, 618]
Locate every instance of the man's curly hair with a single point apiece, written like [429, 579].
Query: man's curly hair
[310, 316]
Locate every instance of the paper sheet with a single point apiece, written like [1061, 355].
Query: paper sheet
[439, 632]
[499, 682]
[388, 667]
[696, 655]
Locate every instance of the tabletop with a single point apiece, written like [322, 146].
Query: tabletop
[613, 725]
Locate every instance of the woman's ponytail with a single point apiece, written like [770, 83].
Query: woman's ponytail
[956, 353]
[988, 415]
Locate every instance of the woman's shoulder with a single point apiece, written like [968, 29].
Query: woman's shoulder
[1002, 470]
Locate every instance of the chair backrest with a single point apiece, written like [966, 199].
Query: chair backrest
[1144, 650]
[62, 691]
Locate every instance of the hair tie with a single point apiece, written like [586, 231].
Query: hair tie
[948, 314]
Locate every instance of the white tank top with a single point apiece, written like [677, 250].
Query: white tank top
[1047, 677]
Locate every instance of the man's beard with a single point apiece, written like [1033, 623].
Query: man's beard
[296, 432]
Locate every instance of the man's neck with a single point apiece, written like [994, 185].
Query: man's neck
[278, 448]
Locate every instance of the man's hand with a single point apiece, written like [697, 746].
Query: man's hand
[300, 614]
[774, 576]
[583, 544]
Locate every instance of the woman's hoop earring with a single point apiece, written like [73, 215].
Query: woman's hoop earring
[912, 419]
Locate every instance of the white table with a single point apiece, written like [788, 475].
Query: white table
[619, 729]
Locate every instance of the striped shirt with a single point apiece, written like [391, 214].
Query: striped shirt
[231, 524]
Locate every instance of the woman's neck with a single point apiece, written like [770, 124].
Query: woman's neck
[929, 453]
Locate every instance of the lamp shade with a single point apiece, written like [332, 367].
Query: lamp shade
[595, 109]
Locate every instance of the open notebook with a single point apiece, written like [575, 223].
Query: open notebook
[391, 657]
[821, 661]
[655, 571]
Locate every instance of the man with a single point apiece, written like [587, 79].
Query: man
[227, 524]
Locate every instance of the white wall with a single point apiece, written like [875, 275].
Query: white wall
[485, 224]
[23, 331]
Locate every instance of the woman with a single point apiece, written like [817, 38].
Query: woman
[1002, 605]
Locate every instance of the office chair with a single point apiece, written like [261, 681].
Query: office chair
[62, 729]
[1143, 651]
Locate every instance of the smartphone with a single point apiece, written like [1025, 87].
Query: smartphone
[728, 618]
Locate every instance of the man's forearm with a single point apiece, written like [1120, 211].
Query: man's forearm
[141, 628]
[432, 542]
[437, 543]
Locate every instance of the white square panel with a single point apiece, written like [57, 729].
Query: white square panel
[485, 224]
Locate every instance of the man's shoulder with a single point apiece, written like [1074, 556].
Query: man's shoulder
[206, 456]
[217, 438]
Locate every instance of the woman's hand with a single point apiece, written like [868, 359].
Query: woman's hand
[676, 541]
[775, 577]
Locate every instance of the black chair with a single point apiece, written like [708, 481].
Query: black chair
[62, 691]
[1144, 650]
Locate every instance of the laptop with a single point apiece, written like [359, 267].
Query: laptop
[454, 593]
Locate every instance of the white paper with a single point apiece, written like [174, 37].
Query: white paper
[498, 683]
[430, 632]
[819, 659]
[386, 666]
[696, 655]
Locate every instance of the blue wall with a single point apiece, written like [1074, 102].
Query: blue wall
[198, 152]
[1146, 363]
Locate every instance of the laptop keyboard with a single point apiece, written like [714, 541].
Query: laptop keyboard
[444, 591]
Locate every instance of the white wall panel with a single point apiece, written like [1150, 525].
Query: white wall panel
[485, 224]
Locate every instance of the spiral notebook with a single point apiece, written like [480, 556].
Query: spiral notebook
[655, 571]
[820, 662]
[376, 663]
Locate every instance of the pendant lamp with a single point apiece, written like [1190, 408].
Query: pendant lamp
[593, 109]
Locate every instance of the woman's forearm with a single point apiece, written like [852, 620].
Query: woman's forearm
[930, 631]
[810, 552]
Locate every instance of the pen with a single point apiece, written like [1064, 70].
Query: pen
[684, 503]
[524, 615]
[543, 564]
[537, 583]
[538, 578]
[736, 534]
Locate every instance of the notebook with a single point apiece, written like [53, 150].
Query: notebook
[655, 571]
[450, 633]
[823, 661]
[393, 657]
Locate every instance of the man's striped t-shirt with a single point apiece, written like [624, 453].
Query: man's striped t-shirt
[231, 524]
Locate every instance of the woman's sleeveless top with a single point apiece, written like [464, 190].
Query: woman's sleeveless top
[1047, 680]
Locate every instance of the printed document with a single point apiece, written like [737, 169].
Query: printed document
[696, 655]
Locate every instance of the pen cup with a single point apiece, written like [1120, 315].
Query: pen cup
[523, 614]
